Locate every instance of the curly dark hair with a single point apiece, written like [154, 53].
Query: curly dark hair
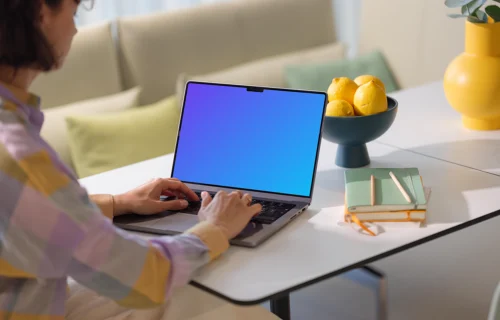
[22, 43]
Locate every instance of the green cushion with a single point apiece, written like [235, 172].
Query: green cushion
[318, 76]
[99, 143]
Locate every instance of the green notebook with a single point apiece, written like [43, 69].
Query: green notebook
[388, 197]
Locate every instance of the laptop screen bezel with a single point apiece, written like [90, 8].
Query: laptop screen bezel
[255, 89]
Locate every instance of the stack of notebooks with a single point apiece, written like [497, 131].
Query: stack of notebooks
[384, 195]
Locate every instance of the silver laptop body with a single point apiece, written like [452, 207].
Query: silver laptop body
[171, 223]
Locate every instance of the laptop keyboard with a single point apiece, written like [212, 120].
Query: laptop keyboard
[271, 210]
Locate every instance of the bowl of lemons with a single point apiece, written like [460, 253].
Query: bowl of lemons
[358, 111]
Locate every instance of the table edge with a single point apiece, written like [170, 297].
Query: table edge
[351, 267]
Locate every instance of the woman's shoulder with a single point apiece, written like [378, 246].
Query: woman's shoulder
[16, 141]
[12, 143]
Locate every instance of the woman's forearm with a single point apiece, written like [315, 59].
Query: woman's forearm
[105, 202]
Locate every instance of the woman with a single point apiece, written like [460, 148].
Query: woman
[50, 229]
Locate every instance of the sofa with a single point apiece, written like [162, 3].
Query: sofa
[118, 97]
[122, 70]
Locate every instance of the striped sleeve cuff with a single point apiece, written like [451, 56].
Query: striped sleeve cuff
[213, 238]
[187, 253]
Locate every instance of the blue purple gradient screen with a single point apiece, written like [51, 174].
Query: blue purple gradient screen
[235, 138]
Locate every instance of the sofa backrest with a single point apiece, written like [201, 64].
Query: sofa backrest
[91, 70]
[417, 38]
[157, 48]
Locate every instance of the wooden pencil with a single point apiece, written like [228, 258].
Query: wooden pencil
[400, 187]
[373, 190]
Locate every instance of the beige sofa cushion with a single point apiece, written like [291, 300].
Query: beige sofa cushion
[206, 38]
[417, 51]
[90, 71]
[54, 128]
[267, 72]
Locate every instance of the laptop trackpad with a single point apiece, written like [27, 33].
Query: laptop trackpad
[147, 221]
[165, 221]
[177, 222]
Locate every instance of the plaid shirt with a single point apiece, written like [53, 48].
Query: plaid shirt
[50, 229]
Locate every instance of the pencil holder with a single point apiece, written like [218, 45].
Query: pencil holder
[353, 133]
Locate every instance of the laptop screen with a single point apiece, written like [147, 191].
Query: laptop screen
[249, 138]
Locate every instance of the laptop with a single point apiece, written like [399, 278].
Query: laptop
[262, 141]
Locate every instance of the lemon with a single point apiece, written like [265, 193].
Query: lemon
[339, 108]
[370, 99]
[361, 80]
[342, 89]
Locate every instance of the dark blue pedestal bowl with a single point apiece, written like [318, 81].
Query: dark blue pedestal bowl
[352, 133]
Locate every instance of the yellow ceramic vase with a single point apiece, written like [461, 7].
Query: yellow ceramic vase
[472, 80]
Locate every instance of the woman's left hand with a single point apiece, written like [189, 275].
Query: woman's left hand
[145, 200]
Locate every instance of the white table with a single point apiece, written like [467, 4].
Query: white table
[313, 247]
[428, 125]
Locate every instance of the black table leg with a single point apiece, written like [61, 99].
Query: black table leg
[281, 307]
[374, 279]
[381, 292]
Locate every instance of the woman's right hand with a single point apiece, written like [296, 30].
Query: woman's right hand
[230, 212]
